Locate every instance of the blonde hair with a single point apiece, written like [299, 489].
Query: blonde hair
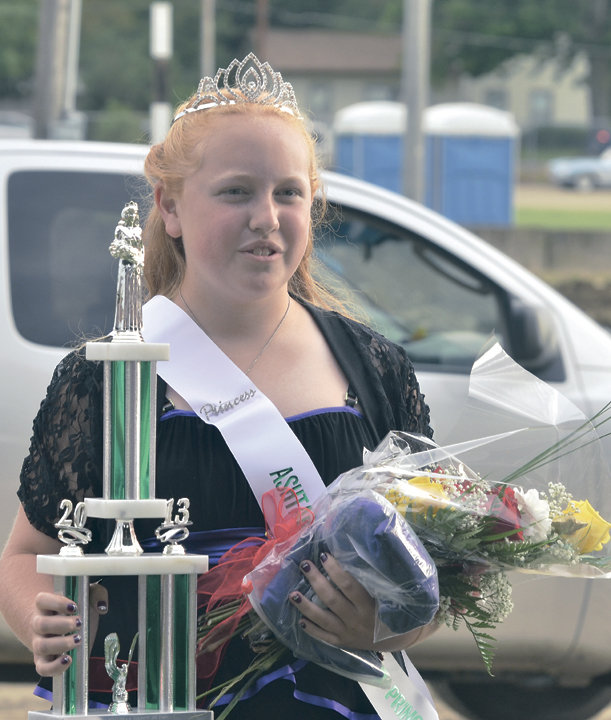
[180, 155]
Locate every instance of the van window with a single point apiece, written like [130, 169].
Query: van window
[440, 310]
[62, 277]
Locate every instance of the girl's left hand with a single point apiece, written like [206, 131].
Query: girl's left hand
[349, 618]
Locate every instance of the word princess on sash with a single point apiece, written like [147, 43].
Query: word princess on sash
[210, 410]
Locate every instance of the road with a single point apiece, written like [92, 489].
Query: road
[16, 699]
[551, 197]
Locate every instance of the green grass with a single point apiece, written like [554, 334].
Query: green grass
[545, 154]
[564, 219]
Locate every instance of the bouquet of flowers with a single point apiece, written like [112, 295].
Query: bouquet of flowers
[417, 519]
[531, 498]
[475, 529]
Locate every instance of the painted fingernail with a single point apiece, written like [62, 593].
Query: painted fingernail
[77, 639]
[323, 557]
[65, 660]
[296, 598]
[306, 567]
[302, 625]
[79, 623]
[102, 606]
[71, 607]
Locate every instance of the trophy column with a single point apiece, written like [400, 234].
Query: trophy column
[167, 581]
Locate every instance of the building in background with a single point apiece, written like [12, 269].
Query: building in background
[331, 70]
[537, 92]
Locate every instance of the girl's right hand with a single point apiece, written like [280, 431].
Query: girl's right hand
[57, 628]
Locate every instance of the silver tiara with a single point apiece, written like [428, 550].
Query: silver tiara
[258, 84]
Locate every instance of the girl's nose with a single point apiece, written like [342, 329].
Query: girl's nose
[264, 219]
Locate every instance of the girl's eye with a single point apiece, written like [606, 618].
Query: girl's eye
[290, 192]
[234, 191]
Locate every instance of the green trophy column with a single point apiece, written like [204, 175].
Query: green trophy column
[135, 379]
[169, 649]
[71, 688]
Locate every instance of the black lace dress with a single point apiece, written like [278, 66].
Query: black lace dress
[193, 461]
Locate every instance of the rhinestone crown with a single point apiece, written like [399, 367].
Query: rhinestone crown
[257, 84]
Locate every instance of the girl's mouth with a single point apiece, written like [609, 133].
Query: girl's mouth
[262, 252]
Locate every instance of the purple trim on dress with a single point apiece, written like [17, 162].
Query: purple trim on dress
[301, 416]
[321, 411]
[287, 672]
[213, 543]
[48, 695]
[177, 413]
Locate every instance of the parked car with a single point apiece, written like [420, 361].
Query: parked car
[425, 282]
[582, 173]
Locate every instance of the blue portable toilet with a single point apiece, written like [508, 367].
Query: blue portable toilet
[369, 142]
[470, 156]
[470, 163]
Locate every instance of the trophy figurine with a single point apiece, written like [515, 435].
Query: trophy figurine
[167, 581]
[120, 703]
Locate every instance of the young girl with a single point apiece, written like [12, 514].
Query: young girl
[229, 243]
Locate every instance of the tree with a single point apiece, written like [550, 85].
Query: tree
[476, 36]
[18, 28]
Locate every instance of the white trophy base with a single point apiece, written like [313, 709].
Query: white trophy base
[147, 564]
[125, 509]
[127, 351]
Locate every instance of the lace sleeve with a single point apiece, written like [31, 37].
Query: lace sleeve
[417, 418]
[65, 459]
[398, 377]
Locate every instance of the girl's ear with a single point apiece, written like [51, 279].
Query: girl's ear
[167, 208]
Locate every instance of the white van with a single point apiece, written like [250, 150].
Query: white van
[425, 282]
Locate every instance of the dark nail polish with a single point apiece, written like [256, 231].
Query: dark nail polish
[306, 567]
[102, 606]
[71, 607]
[77, 639]
[79, 623]
[323, 557]
[302, 625]
[65, 660]
[296, 598]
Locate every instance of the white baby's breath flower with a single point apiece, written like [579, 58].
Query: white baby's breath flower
[495, 596]
[535, 514]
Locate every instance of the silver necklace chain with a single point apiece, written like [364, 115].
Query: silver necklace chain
[273, 335]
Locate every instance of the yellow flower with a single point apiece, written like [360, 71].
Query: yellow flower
[595, 534]
[423, 493]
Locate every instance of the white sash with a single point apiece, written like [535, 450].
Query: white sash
[223, 396]
[407, 698]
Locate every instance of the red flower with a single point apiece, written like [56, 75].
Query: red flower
[502, 506]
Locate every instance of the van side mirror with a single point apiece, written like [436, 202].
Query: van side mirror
[534, 341]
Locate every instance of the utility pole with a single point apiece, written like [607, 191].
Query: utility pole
[262, 29]
[208, 38]
[415, 92]
[57, 63]
[72, 56]
[161, 50]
